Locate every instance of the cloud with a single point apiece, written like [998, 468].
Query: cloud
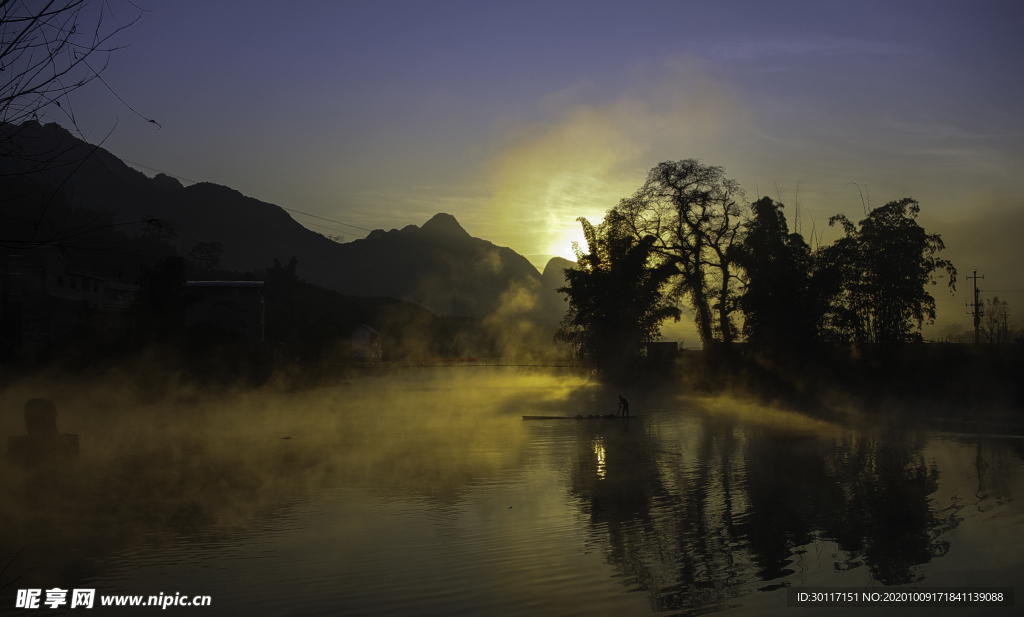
[768, 48]
[590, 153]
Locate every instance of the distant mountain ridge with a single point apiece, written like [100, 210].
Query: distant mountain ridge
[438, 265]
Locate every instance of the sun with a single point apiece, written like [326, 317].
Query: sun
[561, 246]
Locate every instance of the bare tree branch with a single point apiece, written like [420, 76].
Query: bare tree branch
[44, 53]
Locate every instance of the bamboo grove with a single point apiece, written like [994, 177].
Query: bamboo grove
[687, 239]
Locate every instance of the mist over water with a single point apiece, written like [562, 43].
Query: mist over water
[424, 492]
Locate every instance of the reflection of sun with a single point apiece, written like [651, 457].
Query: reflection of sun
[602, 471]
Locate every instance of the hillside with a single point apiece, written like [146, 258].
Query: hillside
[437, 265]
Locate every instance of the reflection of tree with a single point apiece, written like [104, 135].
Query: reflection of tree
[616, 477]
[669, 528]
[692, 526]
[994, 466]
[787, 490]
[905, 529]
[704, 540]
[886, 515]
[872, 497]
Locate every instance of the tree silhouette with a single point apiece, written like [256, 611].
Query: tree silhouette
[50, 49]
[995, 322]
[205, 255]
[160, 303]
[616, 298]
[777, 303]
[690, 210]
[885, 265]
[870, 286]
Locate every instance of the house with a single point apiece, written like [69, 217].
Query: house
[44, 298]
[235, 305]
[366, 344]
[662, 351]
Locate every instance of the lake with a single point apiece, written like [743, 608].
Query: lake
[425, 493]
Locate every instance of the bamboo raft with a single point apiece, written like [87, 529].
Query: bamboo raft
[609, 416]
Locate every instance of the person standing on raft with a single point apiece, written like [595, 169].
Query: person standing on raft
[623, 408]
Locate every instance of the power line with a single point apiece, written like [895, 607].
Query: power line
[403, 239]
[327, 227]
[160, 171]
[331, 220]
[398, 237]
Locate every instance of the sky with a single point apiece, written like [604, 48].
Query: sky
[519, 117]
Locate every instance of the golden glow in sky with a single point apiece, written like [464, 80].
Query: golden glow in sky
[586, 156]
[563, 245]
[517, 120]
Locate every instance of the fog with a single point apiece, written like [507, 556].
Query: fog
[159, 455]
[422, 491]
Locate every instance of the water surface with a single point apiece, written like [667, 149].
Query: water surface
[425, 493]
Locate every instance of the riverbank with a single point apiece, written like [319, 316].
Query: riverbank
[977, 383]
[912, 381]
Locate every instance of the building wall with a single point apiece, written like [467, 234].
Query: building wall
[43, 299]
[366, 343]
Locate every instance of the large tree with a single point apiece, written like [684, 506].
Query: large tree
[885, 265]
[692, 212]
[616, 294]
[778, 302]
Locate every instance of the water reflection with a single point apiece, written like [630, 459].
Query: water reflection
[697, 508]
[994, 465]
[667, 516]
[152, 470]
[599, 458]
[693, 513]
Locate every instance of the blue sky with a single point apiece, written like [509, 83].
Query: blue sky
[518, 117]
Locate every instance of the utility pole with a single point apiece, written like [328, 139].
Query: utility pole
[977, 309]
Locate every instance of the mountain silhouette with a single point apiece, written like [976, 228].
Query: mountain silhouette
[443, 226]
[438, 265]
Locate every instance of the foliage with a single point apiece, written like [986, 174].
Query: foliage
[778, 302]
[870, 286]
[884, 266]
[160, 303]
[995, 322]
[690, 211]
[616, 295]
[205, 255]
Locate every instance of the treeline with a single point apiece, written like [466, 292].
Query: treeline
[827, 329]
[308, 328]
[686, 239]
